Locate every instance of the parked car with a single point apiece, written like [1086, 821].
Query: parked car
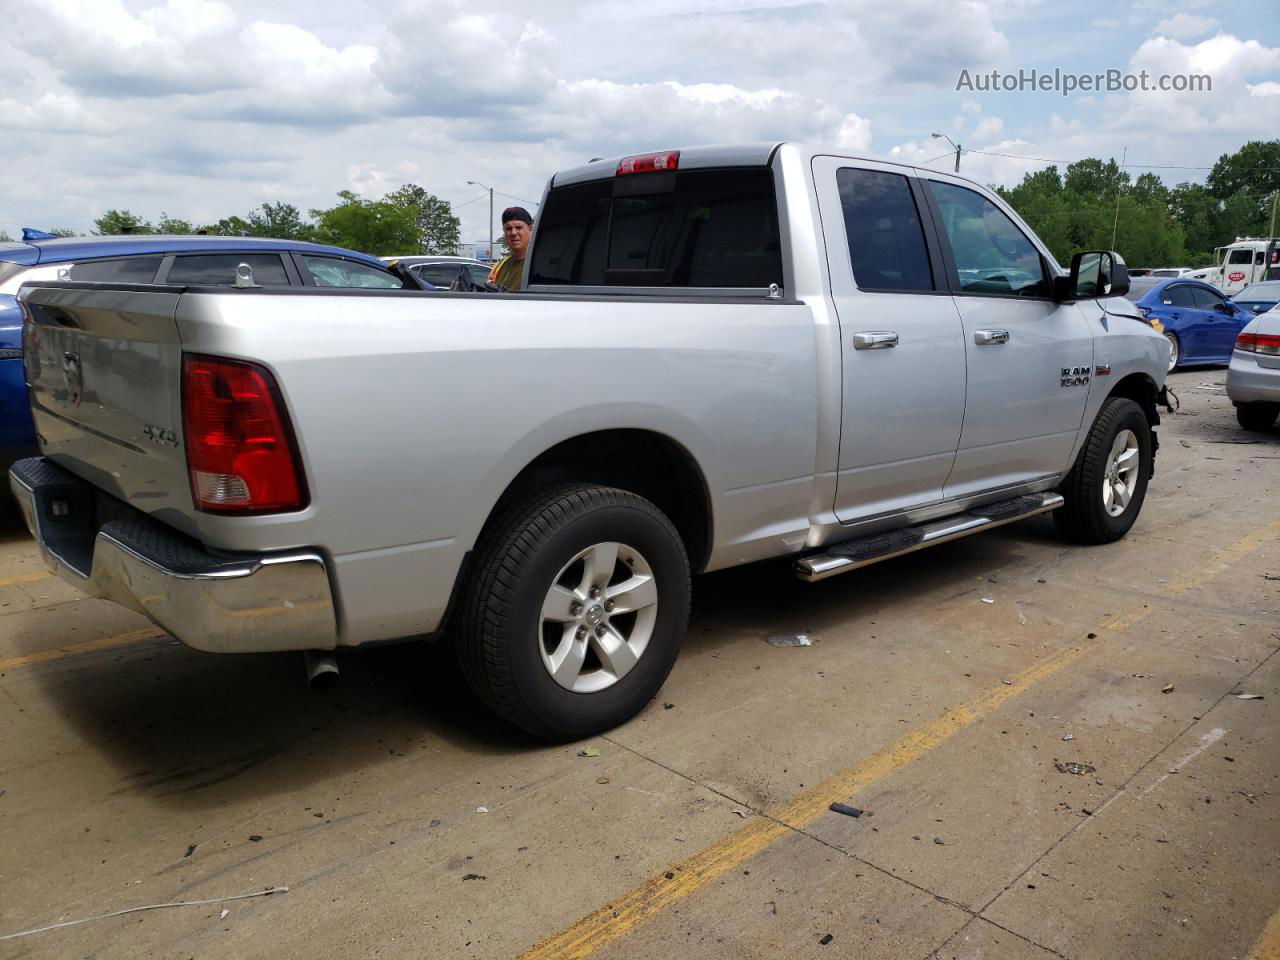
[1169, 271]
[734, 354]
[1253, 379]
[193, 260]
[441, 271]
[1198, 321]
[1258, 297]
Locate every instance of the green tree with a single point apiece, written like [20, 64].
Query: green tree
[172, 225]
[64, 232]
[230, 227]
[1253, 169]
[1197, 211]
[283, 221]
[120, 221]
[438, 229]
[370, 226]
[1094, 178]
[5, 238]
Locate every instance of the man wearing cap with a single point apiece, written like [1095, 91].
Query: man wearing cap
[517, 225]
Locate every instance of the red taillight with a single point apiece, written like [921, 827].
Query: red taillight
[649, 162]
[1264, 343]
[240, 451]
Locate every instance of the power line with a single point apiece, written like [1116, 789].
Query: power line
[521, 199]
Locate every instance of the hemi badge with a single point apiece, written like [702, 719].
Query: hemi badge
[1102, 370]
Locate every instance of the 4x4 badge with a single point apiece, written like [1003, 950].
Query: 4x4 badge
[73, 378]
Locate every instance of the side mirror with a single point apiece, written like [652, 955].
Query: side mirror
[1225, 308]
[1094, 274]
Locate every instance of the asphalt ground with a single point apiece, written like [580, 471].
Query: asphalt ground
[942, 694]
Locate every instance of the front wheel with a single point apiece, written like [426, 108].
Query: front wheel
[1105, 489]
[575, 611]
[1257, 416]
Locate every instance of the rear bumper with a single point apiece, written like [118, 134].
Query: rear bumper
[221, 603]
[1250, 382]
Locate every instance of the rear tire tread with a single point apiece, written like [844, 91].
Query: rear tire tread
[509, 547]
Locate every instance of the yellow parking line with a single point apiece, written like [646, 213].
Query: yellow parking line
[616, 919]
[26, 578]
[75, 649]
[1268, 945]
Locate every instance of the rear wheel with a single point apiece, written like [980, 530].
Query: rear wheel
[575, 611]
[1175, 350]
[1257, 416]
[1105, 489]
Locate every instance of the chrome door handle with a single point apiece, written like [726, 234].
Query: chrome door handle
[983, 337]
[875, 340]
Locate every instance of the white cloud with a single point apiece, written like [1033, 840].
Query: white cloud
[209, 107]
[1184, 26]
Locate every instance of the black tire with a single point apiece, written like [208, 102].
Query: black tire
[500, 616]
[1083, 518]
[1257, 416]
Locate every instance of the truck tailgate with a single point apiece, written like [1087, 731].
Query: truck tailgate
[104, 368]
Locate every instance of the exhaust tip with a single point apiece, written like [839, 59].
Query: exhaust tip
[322, 670]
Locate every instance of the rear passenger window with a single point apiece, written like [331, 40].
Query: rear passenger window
[886, 241]
[219, 269]
[127, 270]
[334, 272]
[696, 228]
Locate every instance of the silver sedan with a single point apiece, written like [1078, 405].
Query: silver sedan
[1253, 379]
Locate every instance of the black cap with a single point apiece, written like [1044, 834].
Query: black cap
[517, 213]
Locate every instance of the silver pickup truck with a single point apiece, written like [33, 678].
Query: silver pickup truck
[720, 355]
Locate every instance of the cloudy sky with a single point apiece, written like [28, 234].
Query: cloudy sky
[204, 108]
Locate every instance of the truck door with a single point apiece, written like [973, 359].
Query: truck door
[1030, 358]
[902, 345]
[1237, 270]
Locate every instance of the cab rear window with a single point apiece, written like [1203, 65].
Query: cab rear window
[694, 228]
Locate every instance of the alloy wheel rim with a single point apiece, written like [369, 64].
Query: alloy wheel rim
[1173, 351]
[597, 617]
[1120, 476]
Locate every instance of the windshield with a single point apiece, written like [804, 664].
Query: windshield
[1268, 290]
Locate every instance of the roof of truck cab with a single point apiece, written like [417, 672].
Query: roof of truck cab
[727, 155]
[86, 248]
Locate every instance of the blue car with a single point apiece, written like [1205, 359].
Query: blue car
[1198, 321]
[194, 260]
[1258, 297]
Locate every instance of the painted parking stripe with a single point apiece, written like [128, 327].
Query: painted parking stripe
[26, 578]
[76, 649]
[618, 918]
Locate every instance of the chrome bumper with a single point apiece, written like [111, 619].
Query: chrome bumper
[224, 603]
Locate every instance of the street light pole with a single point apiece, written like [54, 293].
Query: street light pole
[477, 183]
[943, 136]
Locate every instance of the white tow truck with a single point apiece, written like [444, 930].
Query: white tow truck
[1248, 260]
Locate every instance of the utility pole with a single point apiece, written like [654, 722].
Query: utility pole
[1124, 155]
[477, 183]
[943, 136]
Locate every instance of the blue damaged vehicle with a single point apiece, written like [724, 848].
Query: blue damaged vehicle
[720, 355]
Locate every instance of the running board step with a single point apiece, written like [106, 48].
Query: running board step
[864, 551]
